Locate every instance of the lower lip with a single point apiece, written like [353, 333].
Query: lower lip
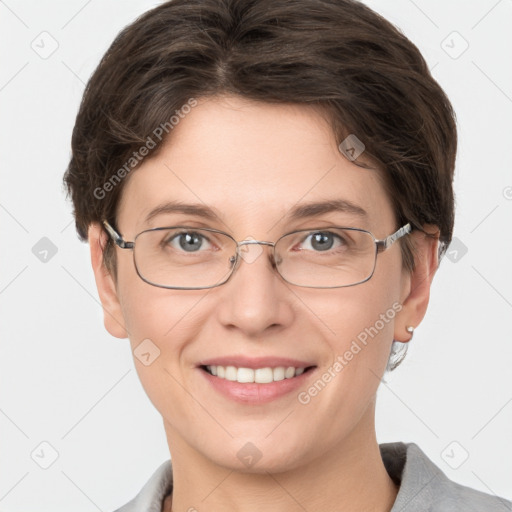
[253, 392]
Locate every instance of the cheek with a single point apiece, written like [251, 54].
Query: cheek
[148, 311]
[361, 313]
[160, 323]
[358, 323]
[162, 315]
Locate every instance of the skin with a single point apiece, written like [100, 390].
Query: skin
[253, 162]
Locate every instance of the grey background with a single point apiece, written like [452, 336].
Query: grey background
[64, 381]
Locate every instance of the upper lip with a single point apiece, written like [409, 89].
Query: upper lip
[255, 362]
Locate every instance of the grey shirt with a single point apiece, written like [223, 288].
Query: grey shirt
[423, 486]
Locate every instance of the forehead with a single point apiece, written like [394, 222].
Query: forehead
[252, 164]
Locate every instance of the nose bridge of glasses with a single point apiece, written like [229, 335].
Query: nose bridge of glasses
[246, 242]
[250, 258]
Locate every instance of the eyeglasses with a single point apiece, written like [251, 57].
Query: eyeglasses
[188, 258]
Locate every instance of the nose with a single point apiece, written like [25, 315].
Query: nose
[255, 297]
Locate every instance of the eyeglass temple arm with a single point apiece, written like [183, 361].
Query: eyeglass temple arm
[382, 245]
[116, 237]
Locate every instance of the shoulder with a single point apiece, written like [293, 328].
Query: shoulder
[423, 486]
[152, 495]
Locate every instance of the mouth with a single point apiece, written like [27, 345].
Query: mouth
[263, 375]
[256, 380]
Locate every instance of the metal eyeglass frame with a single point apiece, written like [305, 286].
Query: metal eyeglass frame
[380, 246]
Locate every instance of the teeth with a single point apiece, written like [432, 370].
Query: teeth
[245, 375]
[231, 373]
[260, 375]
[279, 372]
[289, 372]
[263, 375]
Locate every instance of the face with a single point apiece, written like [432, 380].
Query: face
[252, 163]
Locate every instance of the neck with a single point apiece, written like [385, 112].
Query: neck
[350, 477]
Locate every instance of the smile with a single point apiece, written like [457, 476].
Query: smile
[256, 380]
[264, 375]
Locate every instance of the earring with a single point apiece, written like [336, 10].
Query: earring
[410, 329]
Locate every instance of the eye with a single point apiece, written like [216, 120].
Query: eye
[323, 241]
[188, 241]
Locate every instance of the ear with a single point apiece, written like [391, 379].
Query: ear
[112, 312]
[416, 289]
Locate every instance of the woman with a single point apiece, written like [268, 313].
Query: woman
[266, 188]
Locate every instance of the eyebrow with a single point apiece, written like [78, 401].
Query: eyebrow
[319, 208]
[302, 211]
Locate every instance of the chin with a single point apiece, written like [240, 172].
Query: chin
[259, 456]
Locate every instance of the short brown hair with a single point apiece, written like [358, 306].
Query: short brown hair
[337, 55]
